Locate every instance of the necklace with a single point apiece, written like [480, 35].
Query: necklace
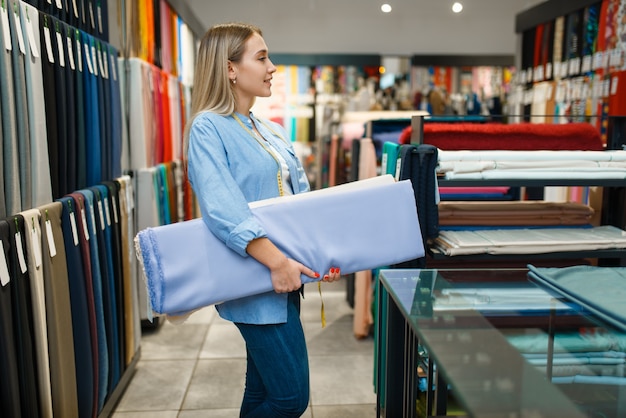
[263, 142]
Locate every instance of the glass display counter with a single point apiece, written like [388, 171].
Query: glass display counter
[492, 343]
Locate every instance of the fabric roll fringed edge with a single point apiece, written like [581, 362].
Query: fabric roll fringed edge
[360, 225]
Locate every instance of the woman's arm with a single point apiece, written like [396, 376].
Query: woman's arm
[285, 272]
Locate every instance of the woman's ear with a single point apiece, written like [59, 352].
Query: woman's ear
[232, 74]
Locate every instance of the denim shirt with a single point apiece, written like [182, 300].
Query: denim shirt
[228, 168]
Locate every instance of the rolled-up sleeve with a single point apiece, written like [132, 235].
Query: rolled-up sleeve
[223, 205]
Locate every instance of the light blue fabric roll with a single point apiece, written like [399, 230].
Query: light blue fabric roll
[358, 226]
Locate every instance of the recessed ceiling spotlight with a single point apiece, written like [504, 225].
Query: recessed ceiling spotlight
[457, 7]
[385, 8]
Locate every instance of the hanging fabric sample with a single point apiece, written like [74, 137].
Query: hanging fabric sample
[87, 237]
[21, 108]
[49, 92]
[22, 317]
[60, 330]
[92, 117]
[102, 219]
[418, 163]
[31, 237]
[131, 301]
[10, 143]
[10, 389]
[86, 374]
[40, 169]
[118, 271]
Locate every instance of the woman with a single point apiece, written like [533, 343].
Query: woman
[234, 158]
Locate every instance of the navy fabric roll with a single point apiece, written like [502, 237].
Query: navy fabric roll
[71, 142]
[118, 268]
[81, 128]
[108, 281]
[92, 121]
[96, 287]
[83, 357]
[418, 165]
[10, 404]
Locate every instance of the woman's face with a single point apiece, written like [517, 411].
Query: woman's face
[254, 71]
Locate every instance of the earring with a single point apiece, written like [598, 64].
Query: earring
[234, 80]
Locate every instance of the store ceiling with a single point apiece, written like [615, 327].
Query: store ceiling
[359, 26]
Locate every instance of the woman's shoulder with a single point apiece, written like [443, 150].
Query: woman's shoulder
[211, 117]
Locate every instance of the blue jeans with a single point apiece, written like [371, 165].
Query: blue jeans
[277, 376]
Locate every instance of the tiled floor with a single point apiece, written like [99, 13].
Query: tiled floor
[197, 369]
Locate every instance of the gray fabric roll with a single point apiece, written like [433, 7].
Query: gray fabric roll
[21, 110]
[9, 124]
[41, 186]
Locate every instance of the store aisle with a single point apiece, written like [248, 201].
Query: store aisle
[197, 369]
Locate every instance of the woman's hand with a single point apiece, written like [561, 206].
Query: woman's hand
[286, 276]
[333, 275]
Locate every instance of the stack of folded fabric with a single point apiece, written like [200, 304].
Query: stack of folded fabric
[518, 213]
[477, 165]
[529, 241]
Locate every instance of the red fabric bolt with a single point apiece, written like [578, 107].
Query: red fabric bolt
[514, 137]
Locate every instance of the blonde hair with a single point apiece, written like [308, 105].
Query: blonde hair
[212, 89]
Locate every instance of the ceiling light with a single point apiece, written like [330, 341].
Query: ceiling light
[385, 8]
[457, 7]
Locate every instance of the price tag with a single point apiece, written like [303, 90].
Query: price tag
[113, 66]
[5, 277]
[106, 211]
[84, 219]
[102, 225]
[79, 54]
[114, 203]
[74, 230]
[51, 245]
[597, 60]
[30, 33]
[549, 70]
[616, 58]
[60, 48]
[614, 86]
[88, 58]
[574, 66]
[48, 42]
[34, 237]
[586, 65]
[94, 60]
[6, 29]
[20, 252]
[70, 53]
[93, 220]
[20, 34]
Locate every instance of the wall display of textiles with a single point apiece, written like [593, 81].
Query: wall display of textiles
[61, 115]
[572, 66]
[458, 91]
[156, 34]
[69, 304]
